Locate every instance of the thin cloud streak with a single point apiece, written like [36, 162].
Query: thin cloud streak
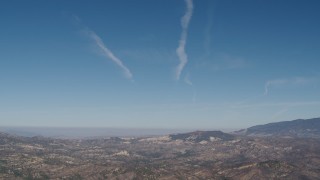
[183, 58]
[108, 53]
[280, 113]
[282, 82]
[282, 104]
[272, 83]
[189, 82]
[102, 47]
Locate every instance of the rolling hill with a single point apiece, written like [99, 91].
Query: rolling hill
[302, 128]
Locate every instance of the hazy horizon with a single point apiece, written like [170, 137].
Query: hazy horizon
[94, 132]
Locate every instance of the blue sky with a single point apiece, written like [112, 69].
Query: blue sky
[158, 64]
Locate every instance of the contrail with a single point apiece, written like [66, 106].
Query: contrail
[108, 53]
[266, 88]
[189, 82]
[183, 58]
[292, 81]
[273, 83]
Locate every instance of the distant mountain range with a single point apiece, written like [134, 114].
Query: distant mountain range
[302, 128]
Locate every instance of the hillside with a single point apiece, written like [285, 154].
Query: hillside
[180, 157]
[199, 136]
[302, 128]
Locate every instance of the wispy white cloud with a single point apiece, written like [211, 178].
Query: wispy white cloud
[277, 104]
[102, 47]
[108, 53]
[189, 82]
[272, 83]
[280, 113]
[183, 58]
[286, 81]
[76, 18]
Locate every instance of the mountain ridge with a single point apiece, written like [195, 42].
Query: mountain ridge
[301, 128]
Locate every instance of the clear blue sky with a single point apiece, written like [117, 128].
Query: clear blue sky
[115, 63]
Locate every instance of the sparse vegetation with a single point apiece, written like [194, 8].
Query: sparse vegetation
[239, 157]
